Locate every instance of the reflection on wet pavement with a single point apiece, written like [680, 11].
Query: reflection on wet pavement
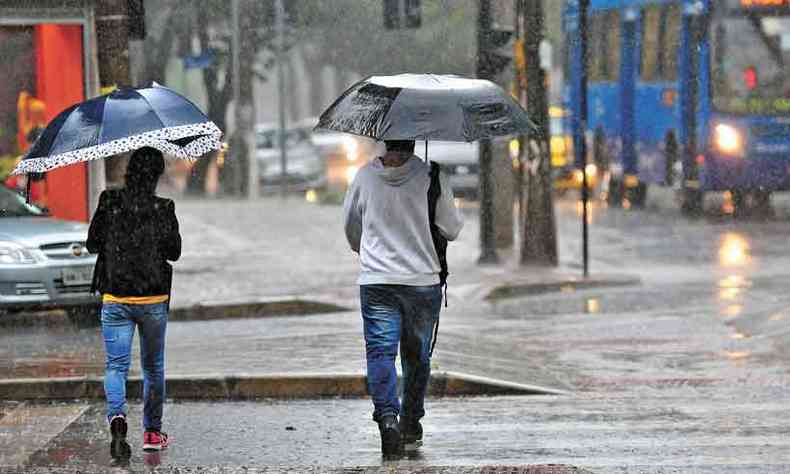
[734, 250]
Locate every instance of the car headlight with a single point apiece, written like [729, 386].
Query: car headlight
[350, 145]
[351, 173]
[11, 253]
[728, 139]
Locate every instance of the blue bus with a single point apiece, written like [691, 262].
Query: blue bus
[691, 94]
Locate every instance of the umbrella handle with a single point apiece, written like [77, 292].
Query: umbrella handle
[426, 151]
[28, 183]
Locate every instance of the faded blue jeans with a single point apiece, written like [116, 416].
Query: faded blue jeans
[394, 314]
[118, 322]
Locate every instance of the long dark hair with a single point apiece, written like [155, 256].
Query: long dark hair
[145, 168]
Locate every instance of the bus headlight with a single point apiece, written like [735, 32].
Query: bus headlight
[728, 139]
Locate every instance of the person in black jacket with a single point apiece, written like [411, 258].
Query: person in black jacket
[135, 233]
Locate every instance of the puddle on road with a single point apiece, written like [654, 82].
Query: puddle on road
[593, 306]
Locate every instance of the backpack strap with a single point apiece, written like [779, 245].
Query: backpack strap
[439, 241]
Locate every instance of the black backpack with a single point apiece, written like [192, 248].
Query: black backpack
[439, 241]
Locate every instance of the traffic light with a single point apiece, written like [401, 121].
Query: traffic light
[492, 55]
[494, 58]
[402, 14]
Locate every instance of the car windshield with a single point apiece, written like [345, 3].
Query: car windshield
[14, 205]
[271, 138]
[750, 61]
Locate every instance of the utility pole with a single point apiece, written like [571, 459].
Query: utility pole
[584, 6]
[280, 26]
[235, 44]
[539, 245]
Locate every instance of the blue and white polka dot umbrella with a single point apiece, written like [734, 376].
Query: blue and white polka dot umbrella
[123, 121]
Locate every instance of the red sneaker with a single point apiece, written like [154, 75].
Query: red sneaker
[155, 441]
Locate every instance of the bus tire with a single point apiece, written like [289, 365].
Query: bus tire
[762, 203]
[670, 157]
[739, 203]
[691, 202]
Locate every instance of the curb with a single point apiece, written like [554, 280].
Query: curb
[288, 306]
[246, 386]
[531, 288]
[319, 469]
[265, 308]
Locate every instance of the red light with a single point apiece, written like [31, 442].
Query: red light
[750, 77]
[700, 160]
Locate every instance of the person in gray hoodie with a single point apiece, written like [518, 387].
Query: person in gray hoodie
[387, 224]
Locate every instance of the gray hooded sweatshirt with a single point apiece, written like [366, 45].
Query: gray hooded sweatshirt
[386, 222]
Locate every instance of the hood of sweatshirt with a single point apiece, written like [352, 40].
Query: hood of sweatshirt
[396, 176]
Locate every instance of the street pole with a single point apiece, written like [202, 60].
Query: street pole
[280, 25]
[236, 88]
[583, 9]
[488, 253]
[246, 131]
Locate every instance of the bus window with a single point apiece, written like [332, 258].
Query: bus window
[669, 44]
[651, 22]
[597, 62]
[613, 46]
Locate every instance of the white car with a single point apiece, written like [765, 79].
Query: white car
[43, 261]
[305, 168]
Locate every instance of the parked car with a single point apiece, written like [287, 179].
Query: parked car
[43, 261]
[305, 168]
[459, 160]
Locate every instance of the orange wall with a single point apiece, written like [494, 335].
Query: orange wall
[60, 83]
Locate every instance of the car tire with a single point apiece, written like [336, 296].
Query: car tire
[84, 316]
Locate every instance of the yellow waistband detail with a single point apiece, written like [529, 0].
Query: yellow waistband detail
[108, 298]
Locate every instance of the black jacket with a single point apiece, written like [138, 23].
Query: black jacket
[134, 235]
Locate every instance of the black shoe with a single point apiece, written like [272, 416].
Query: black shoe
[410, 434]
[119, 448]
[390, 436]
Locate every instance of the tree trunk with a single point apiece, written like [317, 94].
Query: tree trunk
[218, 95]
[539, 245]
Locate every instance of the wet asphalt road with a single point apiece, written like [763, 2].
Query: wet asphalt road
[688, 372]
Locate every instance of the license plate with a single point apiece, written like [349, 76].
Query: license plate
[77, 276]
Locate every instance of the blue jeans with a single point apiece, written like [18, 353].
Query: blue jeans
[118, 322]
[394, 314]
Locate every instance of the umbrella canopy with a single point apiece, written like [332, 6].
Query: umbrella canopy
[425, 107]
[122, 121]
